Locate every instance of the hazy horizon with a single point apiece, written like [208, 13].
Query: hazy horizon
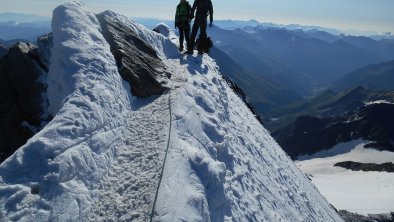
[369, 16]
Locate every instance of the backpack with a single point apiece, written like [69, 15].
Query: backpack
[204, 44]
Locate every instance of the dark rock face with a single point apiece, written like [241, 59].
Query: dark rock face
[327, 104]
[355, 166]
[3, 51]
[352, 217]
[137, 62]
[21, 102]
[44, 49]
[238, 90]
[308, 135]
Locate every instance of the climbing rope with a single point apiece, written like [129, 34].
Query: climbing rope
[165, 158]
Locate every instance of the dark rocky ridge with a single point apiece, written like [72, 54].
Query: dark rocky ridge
[21, 103]
[138, 63]
[3, 51]
[327, 104]
[352, 217]
[241, 94]
[355, 166]
[308, 135]
[44, 49]
[377, 76]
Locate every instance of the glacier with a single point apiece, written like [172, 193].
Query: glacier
[194, 153]
[355, 191]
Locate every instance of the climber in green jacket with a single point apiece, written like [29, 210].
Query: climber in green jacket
[183, 16]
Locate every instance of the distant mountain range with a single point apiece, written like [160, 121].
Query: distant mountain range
[298, 60]
[28, 31]
[327, 104]
[383, 36]
[307, 135]
[21, 17]
[225, 24]
[332, 118]
[23, 26]
[261, 92]
[377, 76]
[234, 24]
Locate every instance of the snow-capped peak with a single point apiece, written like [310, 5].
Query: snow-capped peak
[378, 102]
[193, 153]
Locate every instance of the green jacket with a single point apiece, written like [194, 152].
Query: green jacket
[183, 13]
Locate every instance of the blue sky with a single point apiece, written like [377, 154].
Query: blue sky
[372, 15]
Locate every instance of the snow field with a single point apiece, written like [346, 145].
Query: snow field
[358, 192]
[355, 191]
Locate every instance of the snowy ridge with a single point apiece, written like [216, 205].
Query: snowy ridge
[54, 176]
[223, 165]
[127, 193]
[100, 158]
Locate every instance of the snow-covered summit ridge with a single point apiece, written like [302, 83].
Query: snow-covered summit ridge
[98, 158]
[222, 164]
[54, 176]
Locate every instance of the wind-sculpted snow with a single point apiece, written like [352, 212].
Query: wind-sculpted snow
[101, 157]
[55, 175]
[128, 191]
[222, 164]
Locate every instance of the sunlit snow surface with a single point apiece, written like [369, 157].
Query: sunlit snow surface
[100, 158]
[355, 191]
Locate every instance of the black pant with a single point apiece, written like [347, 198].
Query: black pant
[184, 32]
[202, 25]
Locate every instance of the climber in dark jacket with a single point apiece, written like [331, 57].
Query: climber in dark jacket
[183, 16]
[204, 8]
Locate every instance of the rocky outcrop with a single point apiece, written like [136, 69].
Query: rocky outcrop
[327, 104]
[44, 49]
[21, 100]
[352, 217]
[308, 135]
[238, 90]
[355, 166]
[3, 51]
[138, 63]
